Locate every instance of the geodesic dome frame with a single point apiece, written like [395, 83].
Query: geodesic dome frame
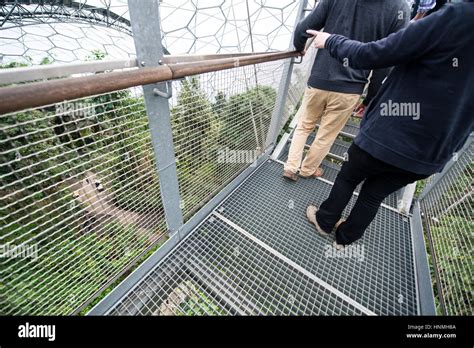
[67, 31]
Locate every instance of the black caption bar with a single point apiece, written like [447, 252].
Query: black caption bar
[136, 331]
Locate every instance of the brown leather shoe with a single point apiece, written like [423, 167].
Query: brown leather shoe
[290, 175]
[311, 215]
[317, 174]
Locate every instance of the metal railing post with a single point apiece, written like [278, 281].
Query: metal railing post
[282, 96]
[145, 19]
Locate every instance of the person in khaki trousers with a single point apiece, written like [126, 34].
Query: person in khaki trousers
[334, 89]
[333, 109]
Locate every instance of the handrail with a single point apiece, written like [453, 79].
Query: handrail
[44, 72]
[17, 98]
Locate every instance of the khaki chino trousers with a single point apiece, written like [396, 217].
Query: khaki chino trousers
[333, 109]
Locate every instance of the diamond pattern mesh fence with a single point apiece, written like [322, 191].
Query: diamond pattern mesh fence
[220, 123]
[80, 200]
[448, 207]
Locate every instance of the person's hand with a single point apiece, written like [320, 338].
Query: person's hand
[319, 38]
[419, 15]
[360, 111]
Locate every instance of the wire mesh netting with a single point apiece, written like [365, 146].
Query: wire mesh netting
[80, 198]
[79, 202]
[220, 123]
[448, 207]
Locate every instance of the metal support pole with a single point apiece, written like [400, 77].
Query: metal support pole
[145, 19]
[279, 110]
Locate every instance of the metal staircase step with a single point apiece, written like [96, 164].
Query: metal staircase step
[273, 210]
[340, 146]
[331, 170]
[337, 151]
[350, 130]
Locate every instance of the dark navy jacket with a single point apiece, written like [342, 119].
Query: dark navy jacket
[434, 71]
[361, 20]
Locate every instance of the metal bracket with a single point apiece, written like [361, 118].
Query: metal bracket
[169, 91]
[309, 42]
[298, 62]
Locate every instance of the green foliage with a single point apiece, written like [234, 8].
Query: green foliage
[236, 116]
[195, 131]
[201, 129]
[199, 305]
[194, 126]
[45, 149]
[65, 286]
[13, 65]
[454, 242]
[420, 186]
[46, 61]
[97, 55]
[451, 232]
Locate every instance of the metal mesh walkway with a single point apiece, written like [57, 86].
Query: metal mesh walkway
[179, 163]
[332, 164]
[257, 254]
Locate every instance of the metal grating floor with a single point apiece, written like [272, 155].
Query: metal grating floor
[220, 271]
[351, 129]
[331, 169]
[257, 255]
[337, 151]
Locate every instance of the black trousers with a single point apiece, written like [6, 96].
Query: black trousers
[381, 180]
